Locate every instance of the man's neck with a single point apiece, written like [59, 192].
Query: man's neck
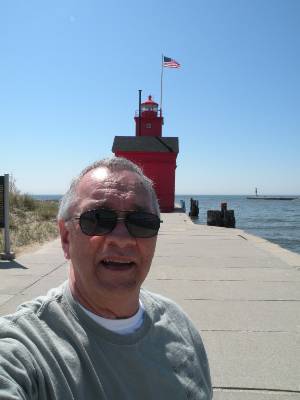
[105, 307]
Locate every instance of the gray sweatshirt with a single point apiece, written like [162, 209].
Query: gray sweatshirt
[51, 349]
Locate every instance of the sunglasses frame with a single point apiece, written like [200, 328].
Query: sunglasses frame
[117, 219]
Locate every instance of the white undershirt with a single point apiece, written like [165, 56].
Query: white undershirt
[122, 326]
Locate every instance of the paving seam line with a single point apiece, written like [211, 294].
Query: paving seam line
[232, 388]
[43, 276]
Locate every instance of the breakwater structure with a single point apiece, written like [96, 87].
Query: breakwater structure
[260, 197]
[221, 217]
[194, 208]
[224, 217]
[272, 197]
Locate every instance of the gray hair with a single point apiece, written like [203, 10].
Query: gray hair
[113, 164]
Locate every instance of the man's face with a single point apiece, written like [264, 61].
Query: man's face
[112, 266]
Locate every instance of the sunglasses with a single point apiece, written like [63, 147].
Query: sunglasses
[101, 221]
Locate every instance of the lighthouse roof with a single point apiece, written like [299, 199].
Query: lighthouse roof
[146, 143]
[149, 101]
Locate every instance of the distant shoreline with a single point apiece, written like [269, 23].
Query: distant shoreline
[46, 197]
[59, 196]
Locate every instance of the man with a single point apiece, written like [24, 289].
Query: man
[99, 336]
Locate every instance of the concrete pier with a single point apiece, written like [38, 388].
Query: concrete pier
[242, 292]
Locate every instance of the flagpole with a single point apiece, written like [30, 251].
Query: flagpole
[161, 82]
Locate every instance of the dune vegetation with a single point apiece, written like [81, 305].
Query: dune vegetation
[31, 221]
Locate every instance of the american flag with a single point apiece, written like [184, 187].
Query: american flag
[170, 63]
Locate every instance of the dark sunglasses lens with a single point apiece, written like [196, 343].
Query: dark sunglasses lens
[97, 222]
[142, 225]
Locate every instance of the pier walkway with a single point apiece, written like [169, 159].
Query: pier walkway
[242, 292]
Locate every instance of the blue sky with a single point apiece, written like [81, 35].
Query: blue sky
[70, 73]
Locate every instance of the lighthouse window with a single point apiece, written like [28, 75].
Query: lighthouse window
[148, 125]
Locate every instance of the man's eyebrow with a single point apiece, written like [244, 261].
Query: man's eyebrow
[138, 207]
[99, 203]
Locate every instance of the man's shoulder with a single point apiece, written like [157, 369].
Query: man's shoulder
[162, 304]
[171, 314]
[158, 299]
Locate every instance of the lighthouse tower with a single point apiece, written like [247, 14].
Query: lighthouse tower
[149, 123]
[155, 154]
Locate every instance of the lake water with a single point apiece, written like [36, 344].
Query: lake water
[274, 220]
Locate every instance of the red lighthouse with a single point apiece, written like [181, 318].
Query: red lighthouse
[154, 153]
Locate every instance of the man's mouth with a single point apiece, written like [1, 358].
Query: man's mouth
[117, 265]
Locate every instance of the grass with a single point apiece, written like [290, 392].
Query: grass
[31, 221]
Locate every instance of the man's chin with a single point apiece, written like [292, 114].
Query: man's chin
[118, 285]
[113, 276]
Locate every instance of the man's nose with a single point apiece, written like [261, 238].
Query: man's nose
[120, 234]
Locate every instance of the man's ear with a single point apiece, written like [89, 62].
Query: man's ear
[64, 238]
